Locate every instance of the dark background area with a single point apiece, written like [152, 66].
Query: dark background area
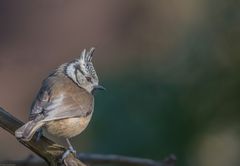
[171, 69]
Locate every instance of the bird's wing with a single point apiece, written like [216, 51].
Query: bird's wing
[40, 102]
[62, 100]
[67, 105]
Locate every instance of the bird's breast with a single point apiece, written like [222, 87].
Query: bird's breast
[68, 127]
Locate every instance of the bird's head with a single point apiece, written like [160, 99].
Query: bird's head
[82, 72]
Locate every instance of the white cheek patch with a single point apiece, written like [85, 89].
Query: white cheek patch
[80, 77]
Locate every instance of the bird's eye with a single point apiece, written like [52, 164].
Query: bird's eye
[89, 79]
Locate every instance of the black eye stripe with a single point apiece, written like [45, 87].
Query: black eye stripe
[77, 67]
[87, 70]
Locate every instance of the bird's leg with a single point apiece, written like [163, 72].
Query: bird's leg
[70, 150]
[70, 147]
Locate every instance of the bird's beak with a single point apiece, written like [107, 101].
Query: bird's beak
[98, 87]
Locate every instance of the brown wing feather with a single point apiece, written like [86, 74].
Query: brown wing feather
[60, 98]
[40, 102]
[69, 104]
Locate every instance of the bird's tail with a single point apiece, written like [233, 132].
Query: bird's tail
[27, 131]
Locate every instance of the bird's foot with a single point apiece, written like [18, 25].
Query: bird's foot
[68, 151]
[74, 152]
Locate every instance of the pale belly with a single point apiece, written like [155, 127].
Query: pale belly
[68, 127]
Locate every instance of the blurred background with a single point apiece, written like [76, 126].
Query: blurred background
[171, 69]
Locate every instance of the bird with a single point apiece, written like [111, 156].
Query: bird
[65, 102]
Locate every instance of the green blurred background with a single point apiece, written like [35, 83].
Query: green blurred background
[171, 69]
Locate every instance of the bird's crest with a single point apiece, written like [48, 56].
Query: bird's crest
[86, 56]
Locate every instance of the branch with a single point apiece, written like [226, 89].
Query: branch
[52, 152]
[125, 160]
[45, 148]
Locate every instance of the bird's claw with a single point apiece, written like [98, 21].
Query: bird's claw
[74, 152]
[67, 152]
